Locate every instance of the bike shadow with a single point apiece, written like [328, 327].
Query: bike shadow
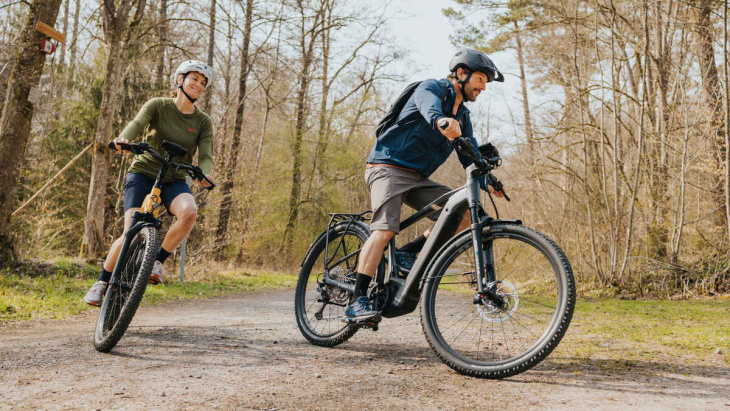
[609, 375]
[632, 377]
[201, 344]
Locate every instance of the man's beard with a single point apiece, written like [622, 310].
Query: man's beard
[470, 96]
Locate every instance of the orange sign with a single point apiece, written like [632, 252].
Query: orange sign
[50, 32]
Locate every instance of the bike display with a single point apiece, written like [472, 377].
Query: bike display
[139, 249]
[496, 299]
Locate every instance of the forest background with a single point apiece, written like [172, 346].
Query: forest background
[616, 148]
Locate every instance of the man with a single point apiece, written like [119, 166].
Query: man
[407, 153]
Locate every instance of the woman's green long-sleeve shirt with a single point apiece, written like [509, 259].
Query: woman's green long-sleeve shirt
[159, 120]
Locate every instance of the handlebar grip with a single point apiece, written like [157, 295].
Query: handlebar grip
[197, 174]
[470, 151]
[212, 184]
[124, 146]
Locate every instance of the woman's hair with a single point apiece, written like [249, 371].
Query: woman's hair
[173, 92]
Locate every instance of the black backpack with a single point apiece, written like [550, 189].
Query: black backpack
[391, 117]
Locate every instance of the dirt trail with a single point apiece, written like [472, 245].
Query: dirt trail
[245, 352]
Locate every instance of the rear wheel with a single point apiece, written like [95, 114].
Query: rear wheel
[479, 338]
[319, 307]
[125, 292]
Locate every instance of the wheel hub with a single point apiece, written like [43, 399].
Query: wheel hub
[494, 314]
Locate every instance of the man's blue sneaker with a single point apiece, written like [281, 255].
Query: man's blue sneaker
[405, 260]
[359, 311]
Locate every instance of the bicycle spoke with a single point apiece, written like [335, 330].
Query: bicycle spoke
[485, 333]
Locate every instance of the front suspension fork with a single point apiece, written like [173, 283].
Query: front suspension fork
[484, 261]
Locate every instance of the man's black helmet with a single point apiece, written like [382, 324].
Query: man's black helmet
[474, 60]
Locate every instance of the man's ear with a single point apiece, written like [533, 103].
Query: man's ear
[461, 73]
[180, 79]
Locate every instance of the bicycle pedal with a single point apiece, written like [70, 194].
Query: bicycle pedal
[369, 323]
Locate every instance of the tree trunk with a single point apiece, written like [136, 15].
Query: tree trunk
[211, 49]
[118, 28]
[162, 38]
[94, 223]
[727, 114]
[523, 83]
[305, 77]
[74, 42]
[227, 190]
[705, 37]
[319, 166]
[64, 30]
[18, 113]
[658, 232]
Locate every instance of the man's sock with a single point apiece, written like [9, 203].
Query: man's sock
[362, 282]
[414, 246]
[105, 275]
[162, 255]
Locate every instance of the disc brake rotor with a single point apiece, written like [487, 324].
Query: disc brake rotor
[493, 314]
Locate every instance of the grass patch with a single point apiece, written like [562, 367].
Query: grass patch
[26, 295]
[691, 330]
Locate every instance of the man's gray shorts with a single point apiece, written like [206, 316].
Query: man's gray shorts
[390, 187]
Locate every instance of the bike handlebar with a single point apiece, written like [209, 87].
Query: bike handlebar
[139, 148]
[465, 146]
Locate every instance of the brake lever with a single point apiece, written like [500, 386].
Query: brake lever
[498, 186]
[197, 173]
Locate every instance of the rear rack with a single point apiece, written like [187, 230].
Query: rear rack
[337, 218]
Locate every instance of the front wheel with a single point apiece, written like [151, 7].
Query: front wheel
[476, 337]
[125, 292]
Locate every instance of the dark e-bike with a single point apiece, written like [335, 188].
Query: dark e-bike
[496, 299]
[139, 249]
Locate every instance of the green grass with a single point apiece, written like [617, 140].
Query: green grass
[692, 330]
[27, 293]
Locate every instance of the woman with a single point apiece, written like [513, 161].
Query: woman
[178, 120]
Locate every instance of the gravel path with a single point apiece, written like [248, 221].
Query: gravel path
[245, 352]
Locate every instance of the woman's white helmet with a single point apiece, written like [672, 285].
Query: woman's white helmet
[196, 66]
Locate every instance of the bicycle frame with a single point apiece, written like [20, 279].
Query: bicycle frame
[453, 205]
[146, 216]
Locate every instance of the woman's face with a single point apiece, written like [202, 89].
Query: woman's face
[193, 84]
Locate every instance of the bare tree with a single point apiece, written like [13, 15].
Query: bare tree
[211, 49]
[309, 26]
[705, 37]
[74, 41]
[119, 22]
[162, 38]
[232, 164]
[18, 113]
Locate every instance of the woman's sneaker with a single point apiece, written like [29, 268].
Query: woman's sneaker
[156, 276]
[95, 295]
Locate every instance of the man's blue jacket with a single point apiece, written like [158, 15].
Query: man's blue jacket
[414, 141]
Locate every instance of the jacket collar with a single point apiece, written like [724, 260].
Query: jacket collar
[451, 98]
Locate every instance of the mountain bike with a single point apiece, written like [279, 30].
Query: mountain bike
[139, 249]
[496, 298]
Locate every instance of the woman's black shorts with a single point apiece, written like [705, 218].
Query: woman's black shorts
[137, 186]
